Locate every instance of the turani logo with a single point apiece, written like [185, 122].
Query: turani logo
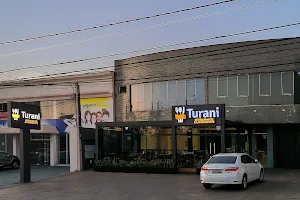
[15, 114]
[199, 116]
[180, 114]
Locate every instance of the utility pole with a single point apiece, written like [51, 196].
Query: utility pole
[78, 121]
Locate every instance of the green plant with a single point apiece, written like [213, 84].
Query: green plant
[166, 164]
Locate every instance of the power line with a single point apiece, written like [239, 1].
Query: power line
[158, 47]
[118, 23]
[136, 30]
[215, 53]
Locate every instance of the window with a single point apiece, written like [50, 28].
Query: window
[247, 159]
[140, 97]
[287, 83]
[222, 86]
[134, 97]
[155, 96]
[264, 84]
[181, 92]
[200, 91]
[172, 93]
[3, 107]
[243, 85]
[222, 160]
[148, 96]
[163, 95]
[163, 103]
[191, 92]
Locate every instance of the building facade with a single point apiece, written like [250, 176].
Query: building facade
[56, 97]
[257, 81]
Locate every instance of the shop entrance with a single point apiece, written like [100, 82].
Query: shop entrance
[40, 149]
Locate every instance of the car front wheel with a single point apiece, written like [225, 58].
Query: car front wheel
[15, 165]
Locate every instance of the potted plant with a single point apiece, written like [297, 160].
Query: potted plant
[199, 164]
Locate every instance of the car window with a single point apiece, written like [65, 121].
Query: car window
[222, 160]
[247, 159]
[251, 160]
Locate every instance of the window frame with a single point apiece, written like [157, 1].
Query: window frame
[137, 101]
[218, 96]
[282, 91]
[248, 87]
[186, 89]
[172, 100]
[259, 88]
[157, 103]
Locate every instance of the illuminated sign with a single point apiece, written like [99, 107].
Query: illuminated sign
[197, 114]
[22, 115]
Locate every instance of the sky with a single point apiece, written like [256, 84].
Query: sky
[23, 19]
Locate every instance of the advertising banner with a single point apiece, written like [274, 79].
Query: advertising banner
[96, 110]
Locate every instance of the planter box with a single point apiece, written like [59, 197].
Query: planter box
[136, 170]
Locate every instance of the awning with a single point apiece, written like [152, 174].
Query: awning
[44, 130]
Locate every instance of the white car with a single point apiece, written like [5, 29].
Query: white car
[231, 168]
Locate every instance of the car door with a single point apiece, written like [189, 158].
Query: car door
[248, 167]
[4, 159]
[252, 167]
[256, 168]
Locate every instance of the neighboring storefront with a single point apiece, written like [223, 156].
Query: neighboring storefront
[50, 145]
[56, 131]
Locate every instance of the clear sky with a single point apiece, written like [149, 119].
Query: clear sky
[22, 19]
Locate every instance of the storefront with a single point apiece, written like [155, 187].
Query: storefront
[194, 133]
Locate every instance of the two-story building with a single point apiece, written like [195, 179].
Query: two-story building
[258, 81]
[56, 97]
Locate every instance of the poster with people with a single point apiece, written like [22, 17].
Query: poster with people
[95, 110]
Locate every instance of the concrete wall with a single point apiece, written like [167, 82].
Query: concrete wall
[225, 59]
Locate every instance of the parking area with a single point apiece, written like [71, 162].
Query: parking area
[12, 176]
[279, 184]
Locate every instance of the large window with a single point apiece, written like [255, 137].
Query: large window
[163, 95]
[252, 89]
[265, 81]
[287, 83]
[243, 85]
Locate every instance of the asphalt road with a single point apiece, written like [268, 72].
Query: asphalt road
[279, 184]
[12, 176]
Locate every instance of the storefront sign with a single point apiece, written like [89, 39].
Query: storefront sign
[197, 114]
[24, 116]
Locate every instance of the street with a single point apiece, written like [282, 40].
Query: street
[279, 184]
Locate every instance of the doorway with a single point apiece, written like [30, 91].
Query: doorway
[40, 150]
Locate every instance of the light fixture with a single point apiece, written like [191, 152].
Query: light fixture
[126, 128]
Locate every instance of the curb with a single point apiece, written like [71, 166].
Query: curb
[39, 180]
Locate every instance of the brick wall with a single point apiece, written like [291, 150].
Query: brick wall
[225, 59]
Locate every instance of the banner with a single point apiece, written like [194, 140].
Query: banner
[96, 110]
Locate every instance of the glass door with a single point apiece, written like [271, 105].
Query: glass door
[40, 152]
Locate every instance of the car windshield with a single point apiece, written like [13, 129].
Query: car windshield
[222, 160]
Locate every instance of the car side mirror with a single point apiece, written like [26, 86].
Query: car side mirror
[256, 161]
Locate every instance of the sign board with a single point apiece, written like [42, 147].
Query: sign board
[23, 116]
[209, 114]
